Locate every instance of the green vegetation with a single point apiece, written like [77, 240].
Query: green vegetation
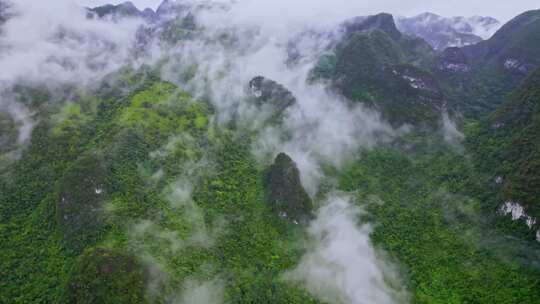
[92, 210]
[95, 209]
[105, 276]
[506, 145]
[8, 136]
[424, 218]
[132, 193]
[388, 72]
[497, 66]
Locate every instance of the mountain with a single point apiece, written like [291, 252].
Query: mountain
[166, 7]
[507, 145]
[377, 65]
[441, 32]
[284, 191]
[177, 20]
[488, 71]
[384, 22]
[514, 47]
[214, 161]
[472, 79]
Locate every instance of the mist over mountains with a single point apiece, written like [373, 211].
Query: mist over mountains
[442, 32]
[230, 152]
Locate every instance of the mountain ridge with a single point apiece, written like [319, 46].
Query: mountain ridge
[442, 32]
[176, 159]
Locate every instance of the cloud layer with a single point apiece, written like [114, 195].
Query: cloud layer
[341, 266]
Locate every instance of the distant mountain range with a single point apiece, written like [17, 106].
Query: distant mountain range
[442, 32]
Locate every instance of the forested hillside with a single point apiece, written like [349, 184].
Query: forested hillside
[197, 154]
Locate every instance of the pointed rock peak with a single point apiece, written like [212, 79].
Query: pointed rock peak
[166, 7]
[267, 91]
[285, 193]
[163, 7]
[383, 21]
[284, 160]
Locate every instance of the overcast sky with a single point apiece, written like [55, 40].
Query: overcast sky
[500, 9]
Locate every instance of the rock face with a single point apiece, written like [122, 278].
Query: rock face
[453, 59]
[384, 22]
[443, 32]
[284, 191]
[268, 93]
[106, 276]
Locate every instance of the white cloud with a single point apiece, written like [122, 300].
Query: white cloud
[341, 266]
[52, 42]
[207, 292]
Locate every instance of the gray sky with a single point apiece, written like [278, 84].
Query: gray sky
[500, 9]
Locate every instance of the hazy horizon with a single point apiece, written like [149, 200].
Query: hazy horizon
[503, 11]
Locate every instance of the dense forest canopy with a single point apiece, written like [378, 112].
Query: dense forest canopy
[203, 152]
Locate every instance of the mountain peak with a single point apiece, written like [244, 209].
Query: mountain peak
[442, 32]
[507, 46]
[382, 21]
[166, 7]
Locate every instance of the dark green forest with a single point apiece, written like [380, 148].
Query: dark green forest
[134, 190]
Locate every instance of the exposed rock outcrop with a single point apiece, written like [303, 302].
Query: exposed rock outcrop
[269, 92]
[384, 22]
[284, 191]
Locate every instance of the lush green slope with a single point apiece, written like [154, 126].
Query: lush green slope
[93, 205]
[133, 194]
[376, 65]
[490, 70]
[507, 145]
[94, 210]
[445, 243]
